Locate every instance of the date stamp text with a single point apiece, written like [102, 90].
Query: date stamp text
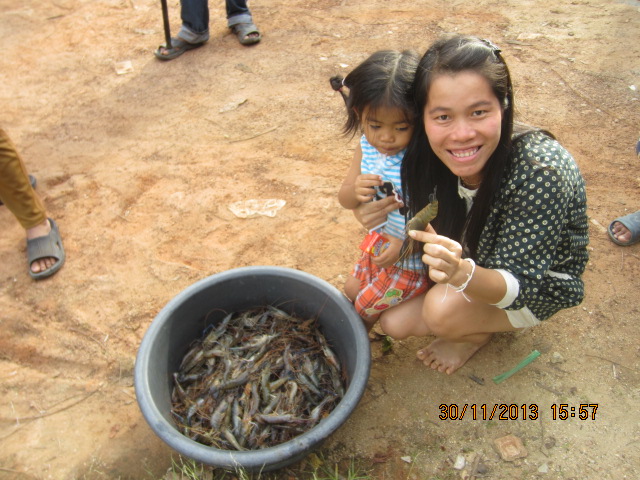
[514, 411]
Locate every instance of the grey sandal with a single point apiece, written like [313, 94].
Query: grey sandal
[632, 223]
[49, 246]
[243, 30]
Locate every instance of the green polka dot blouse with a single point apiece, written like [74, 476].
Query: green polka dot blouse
[537, 229]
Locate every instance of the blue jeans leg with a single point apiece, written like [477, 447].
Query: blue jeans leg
[195, 21]
[237, 12]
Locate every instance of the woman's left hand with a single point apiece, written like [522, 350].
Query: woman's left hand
[443, 256]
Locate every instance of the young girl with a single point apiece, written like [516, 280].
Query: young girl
[509, 245]
[379, 103]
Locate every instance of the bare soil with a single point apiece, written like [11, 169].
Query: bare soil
[139, 169]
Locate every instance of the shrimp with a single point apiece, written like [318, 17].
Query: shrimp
[253, 380]
[419, 222]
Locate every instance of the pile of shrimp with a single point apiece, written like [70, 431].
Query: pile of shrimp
[258, 379]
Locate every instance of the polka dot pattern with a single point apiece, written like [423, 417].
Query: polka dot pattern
[537, 229]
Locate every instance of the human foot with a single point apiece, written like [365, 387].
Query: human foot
[446, 356]
[625, 230]
[178, 47]
[44, 248]
[621, 232]
[246, 33]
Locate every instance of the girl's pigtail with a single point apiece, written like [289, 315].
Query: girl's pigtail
[337, 83]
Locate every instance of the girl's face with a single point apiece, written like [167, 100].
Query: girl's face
[463, 119]
[386, 129]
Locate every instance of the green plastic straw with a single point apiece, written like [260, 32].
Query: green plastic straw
[530, 358]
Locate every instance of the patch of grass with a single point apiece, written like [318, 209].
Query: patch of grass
[325, 472]
[316, 469]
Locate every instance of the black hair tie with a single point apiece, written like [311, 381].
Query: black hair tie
[491, 45]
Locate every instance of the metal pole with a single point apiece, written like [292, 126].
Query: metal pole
[165, 19]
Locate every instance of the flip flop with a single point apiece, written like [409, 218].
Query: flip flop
[243, 30]
[632, 222]
[178, 47]
[32, 181]
[44, 247]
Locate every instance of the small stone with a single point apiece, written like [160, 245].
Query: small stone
[123, 68]
[406, 459]
[544, 468]
[460, 462]
[557, 357]
[468, 472]
[510, 448]
[233, 105]
[598, 225]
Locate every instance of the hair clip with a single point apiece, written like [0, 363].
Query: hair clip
[491, 45]
[337, 83]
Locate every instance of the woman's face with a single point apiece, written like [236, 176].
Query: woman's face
[463, 119]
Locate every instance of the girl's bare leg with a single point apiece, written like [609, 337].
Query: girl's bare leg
[462, 327]
[351, 289]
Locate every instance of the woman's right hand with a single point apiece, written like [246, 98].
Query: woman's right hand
[443, 256]
[372, 214]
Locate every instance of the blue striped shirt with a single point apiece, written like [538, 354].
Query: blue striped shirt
[388, 167]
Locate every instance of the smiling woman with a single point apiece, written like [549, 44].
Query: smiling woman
[508, 247]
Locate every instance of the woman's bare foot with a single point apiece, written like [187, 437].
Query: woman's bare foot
[41, 230]
[447, 356]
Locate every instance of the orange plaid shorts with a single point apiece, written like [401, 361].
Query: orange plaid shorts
[382, 288]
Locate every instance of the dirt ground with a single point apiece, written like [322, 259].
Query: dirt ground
[139, 169]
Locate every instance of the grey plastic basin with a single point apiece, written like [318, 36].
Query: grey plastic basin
[183, 319]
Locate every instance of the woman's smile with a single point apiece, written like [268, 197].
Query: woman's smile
[465, 154]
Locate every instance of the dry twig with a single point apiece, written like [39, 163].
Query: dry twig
[48, 414]
[254, 136]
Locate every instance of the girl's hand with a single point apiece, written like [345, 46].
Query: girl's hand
[443, 256]
[390, 255]
[364, 187]
[372, 214]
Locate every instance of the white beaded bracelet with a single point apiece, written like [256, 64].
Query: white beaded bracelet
[461, 288]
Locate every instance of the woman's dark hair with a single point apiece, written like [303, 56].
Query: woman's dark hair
[384, 79]
[422, 170]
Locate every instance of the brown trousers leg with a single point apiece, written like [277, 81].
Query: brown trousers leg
[15, 190]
